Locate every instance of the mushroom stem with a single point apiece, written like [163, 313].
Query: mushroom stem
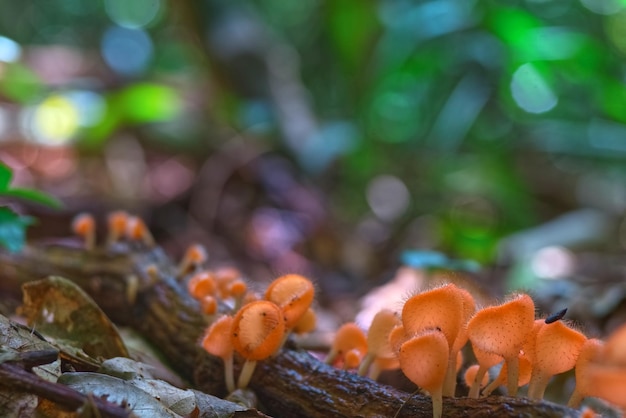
[437, 400]
[229, 374]
[537, 386]
[475, 388]
[449, 384]
[512, 375]
[246, 374]
[365, 364]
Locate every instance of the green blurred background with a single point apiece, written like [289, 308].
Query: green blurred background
[327, 136]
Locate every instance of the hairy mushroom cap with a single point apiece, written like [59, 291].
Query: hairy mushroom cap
[590, 352]
[424, 361]
[84, 226]
[217, 341]
[441, 308]
[502, 330]
[257, 333]
[348, 337]
[556, 350]
[294, 294]
[116, 223]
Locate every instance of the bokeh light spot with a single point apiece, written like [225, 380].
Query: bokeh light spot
[54, 121]
[388, 197]
[127, 51]
[134, 14]
[553, 263]
[530, 90]
[10, 51]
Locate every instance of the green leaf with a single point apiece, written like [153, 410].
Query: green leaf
[5, 176]
[33, 196]
[13, 229]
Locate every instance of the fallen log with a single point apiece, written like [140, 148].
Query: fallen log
[292, 384]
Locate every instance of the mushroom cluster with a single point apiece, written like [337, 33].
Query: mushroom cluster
[257, 329]
[426, 339]
[121, 226]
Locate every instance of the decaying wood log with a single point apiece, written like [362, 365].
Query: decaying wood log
[291, 384]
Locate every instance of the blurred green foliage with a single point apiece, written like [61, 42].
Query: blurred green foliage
[452, 97]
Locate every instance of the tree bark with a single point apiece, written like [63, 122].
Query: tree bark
[292, 384]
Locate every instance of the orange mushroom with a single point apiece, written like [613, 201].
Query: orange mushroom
[193, 259]
[136, 230]
[556, 350]
[485, 362]
[237, 290]
[471, 376]
[84, 226]
[202, 284]
[469, 308]
[117, 223]
[606, 374]
[294, 294]
[208, 305]
[348, 337]
[441, 308]
[424, 361]
[523, 376]
[306, 323]
[257, 333]
[217, 341]
[502, 330]
[381, 364]
[590, 352]
[378, 338]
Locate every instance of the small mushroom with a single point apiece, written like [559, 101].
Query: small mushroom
[194, 258]
[556, 350]
[116, 226]
[84, 226]
[202, 284]
[348, 337]
[485, 362]
[257, 333]
[217, 341]
[378, 338]
[137, 231]
[503, 330]
[590, 352]
[424, 361]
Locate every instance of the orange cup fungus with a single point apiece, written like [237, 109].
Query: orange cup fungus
[217, 341]
[257, 333]
[84, 226]
[424, 361]
[503, 330]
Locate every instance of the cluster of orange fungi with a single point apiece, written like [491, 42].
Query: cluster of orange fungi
[425, 340]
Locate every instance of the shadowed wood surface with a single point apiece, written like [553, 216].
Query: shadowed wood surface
[292, 384]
